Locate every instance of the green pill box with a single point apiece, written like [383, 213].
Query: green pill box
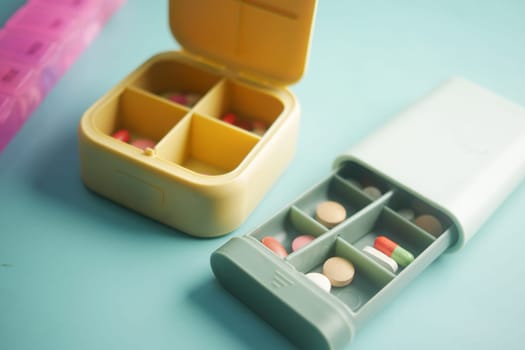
[454, 155]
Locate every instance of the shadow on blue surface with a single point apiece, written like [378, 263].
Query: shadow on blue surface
[63, 184]
[235, 318]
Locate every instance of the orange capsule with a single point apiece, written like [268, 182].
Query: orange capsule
[275, 246]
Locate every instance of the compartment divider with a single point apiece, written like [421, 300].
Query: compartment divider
[376, 273]
[202, 106]
[412, 231]
[305, 223]
[347, 182]
[361, 221]
[307, 258]
[171, 147]
[350, 190]
[157, 98]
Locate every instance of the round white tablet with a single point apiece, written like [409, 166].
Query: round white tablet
[372, 192]
[321, 280]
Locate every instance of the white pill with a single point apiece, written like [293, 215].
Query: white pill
[381, 258]
[372, 192]
[321, 280]
[408, 214]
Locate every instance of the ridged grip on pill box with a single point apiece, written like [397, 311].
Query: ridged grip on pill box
[282, 297]
[462, 148]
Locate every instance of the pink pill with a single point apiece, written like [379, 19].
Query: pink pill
[122, 135]
[301, 241]
[143, 143]
[178, 98]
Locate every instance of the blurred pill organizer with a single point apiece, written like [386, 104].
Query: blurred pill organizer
[37, 45]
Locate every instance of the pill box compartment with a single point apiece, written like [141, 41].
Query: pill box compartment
[267, 282]
[424, 206]
[203, 173]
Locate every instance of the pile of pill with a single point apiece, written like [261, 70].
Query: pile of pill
[330, 213]
[276, 246]
[188, 99]
[427, 222]
[124, 136]
[255, 126]
[337, 272]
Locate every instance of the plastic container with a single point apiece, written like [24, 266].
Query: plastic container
[23, 84]
[431, 160]
[39, 42]
[71, 30]
[35, 50]
[203, 176]
[8, 121]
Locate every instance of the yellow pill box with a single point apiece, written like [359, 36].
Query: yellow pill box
[203, 176]
[454, 155]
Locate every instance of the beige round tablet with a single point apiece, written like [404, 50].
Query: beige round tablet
[330, 213]
[339, 271]
[372, 192]
[430, 224]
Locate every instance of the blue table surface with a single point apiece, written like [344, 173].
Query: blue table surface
[80, 272]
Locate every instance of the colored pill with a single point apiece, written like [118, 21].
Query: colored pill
[430, 224]
[372, 192]
[179, 98]
[301, 241]
[339, 271]
[229, 118]
[243, 124]
[143, 143]
[330, 213]
[191, 99]
[393, 250]
[275, 246]
[407, 214]
[320, 280]
[122, 135]
[258, 128]
[380, 258]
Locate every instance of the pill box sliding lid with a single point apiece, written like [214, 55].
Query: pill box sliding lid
[461, 147]
[265, 39]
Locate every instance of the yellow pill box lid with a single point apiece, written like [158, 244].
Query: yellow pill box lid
[462, 148]
[266, 40]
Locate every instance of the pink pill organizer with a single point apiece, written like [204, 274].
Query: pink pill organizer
[37, 45]
[454, 155]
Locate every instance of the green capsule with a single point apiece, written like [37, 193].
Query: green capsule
[402, 256]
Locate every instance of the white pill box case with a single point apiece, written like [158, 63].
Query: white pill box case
[455, 155]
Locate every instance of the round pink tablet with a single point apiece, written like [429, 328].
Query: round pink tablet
[179, 98]
[143, 143]
[301, 241]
